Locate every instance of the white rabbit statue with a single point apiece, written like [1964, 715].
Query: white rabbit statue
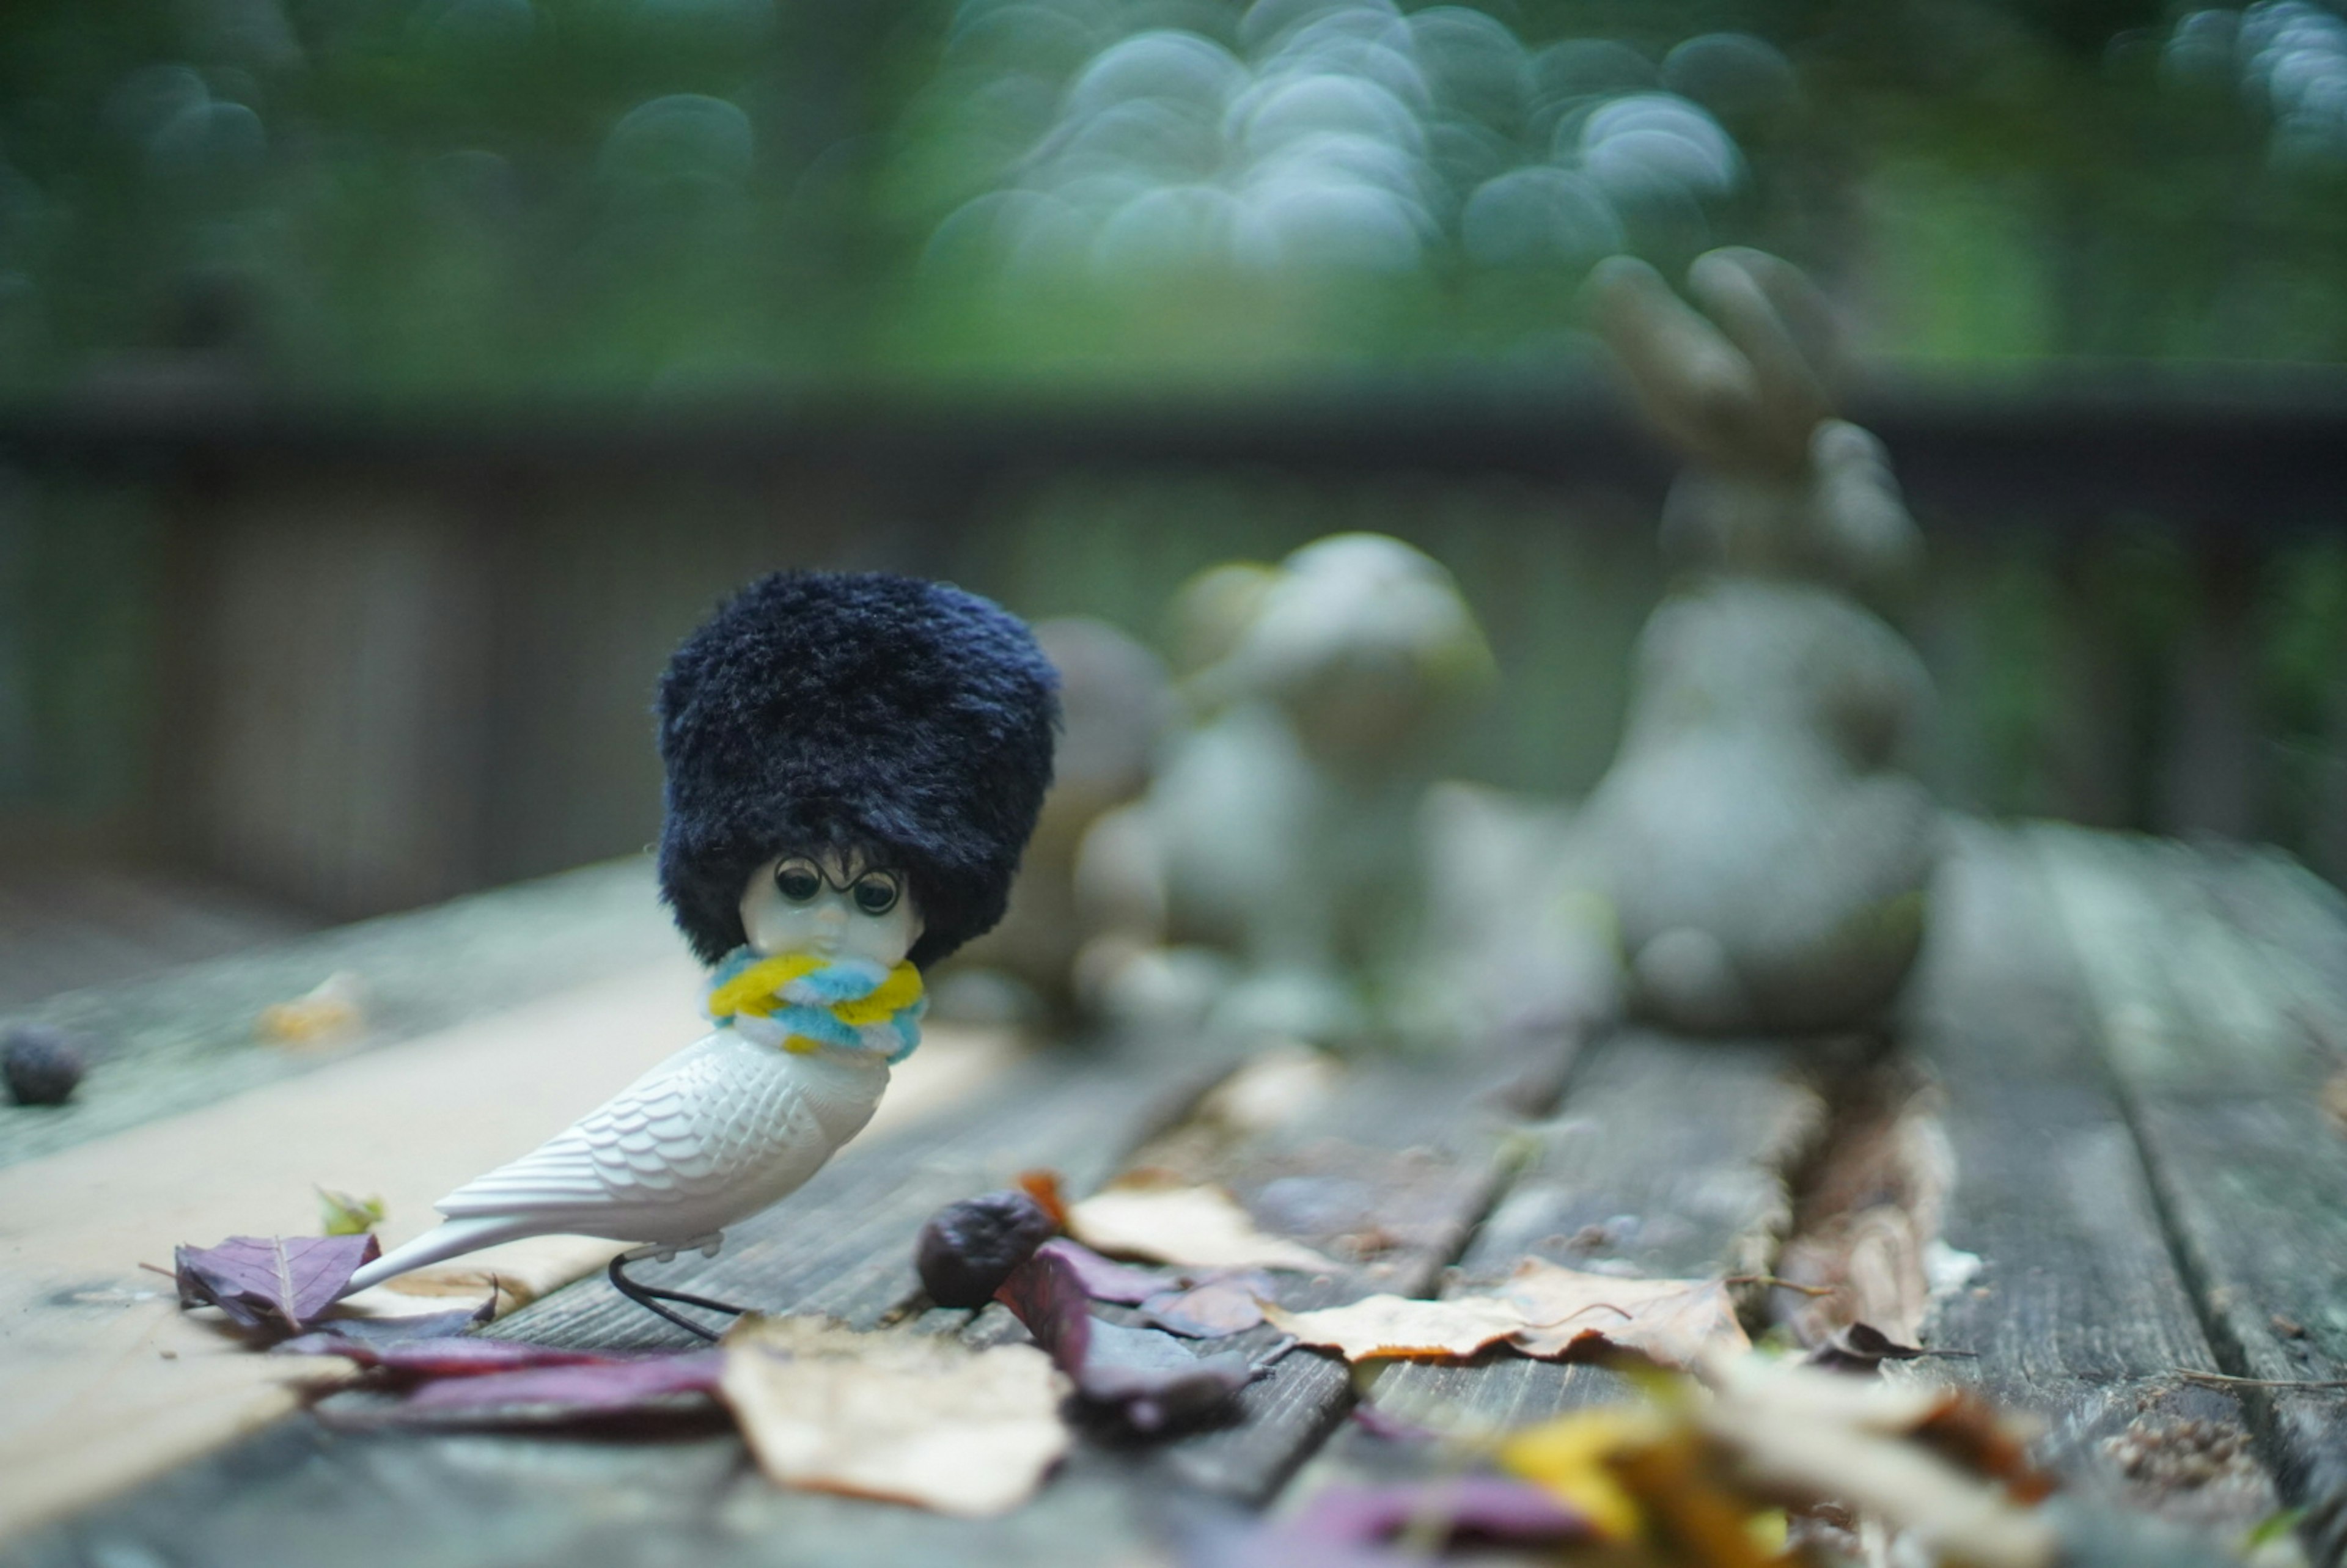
[1758, 852]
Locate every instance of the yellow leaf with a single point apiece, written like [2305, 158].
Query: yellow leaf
[341, 1213]
[1569, 1458]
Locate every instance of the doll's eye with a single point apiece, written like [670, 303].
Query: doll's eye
[876, 895]
[798, 880]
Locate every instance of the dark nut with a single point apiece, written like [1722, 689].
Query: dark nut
[968, 1249]
[43, 1065]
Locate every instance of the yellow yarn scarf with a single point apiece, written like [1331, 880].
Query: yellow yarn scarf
[815, 997]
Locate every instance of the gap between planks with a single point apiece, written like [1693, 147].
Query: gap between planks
[2218, 983]
[2079, 1315]
[1670, 1157]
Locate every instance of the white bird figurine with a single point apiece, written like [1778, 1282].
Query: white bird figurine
[872, 752]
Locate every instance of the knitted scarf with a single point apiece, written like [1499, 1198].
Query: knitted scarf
[804, 1003]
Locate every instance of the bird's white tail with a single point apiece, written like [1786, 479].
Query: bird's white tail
[449, 1238]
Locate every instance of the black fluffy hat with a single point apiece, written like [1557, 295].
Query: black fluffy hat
[907, 719]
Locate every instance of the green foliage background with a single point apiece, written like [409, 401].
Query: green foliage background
[428, 197]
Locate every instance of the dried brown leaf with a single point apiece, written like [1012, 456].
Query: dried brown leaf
[1379, 1327]
[1542, 1310]
[1795, 1435]
[1565, 1313]
[922, 1420]
[1193, 1227]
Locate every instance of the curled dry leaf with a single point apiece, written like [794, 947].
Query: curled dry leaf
[271, 1281]
[1542, 1310]
[1389, 1326]
[914, 1419]
[1567, 1312]
[1044, 1186]
[1149, 1379]
[1191, 1227]
[1796, 1435]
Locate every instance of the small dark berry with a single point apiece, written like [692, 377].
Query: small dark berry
[968, 1249]
[42, 1064]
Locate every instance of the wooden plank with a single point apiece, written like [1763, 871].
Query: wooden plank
[1413, 1152]
[2078, 1315]
[1417, 1148]
[106, 1381]
[64, 925]
[843, 1245]
[1671, 1157]
[844, 1239]
[185, 1038]
[2205, 1023]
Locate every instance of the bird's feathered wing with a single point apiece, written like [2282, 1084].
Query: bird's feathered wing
[695, 1128]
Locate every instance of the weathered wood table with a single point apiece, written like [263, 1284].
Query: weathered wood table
[2118, 1085]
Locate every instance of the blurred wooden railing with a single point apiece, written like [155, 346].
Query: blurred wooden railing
[366, 656]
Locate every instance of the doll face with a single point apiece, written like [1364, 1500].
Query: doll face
[833, 905]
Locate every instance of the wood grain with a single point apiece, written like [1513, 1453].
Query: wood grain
[2079, 1316]
[107, 1381]
[2219, 1031]
[842, 1243]
[1669, 1158]
[185, 1038]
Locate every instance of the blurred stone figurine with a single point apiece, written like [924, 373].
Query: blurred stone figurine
[1272, 879]
[1761, 855]
[1116, 704]
[854, 763]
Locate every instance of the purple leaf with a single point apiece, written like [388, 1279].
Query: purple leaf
[1353, 1526]
[391, 1330]
[1382, 1423]
[1155, 1382]
[1478, 1507]
[553, 1395]
[1217, 1306]
[1045, 1295]
[445, 1356]
[261, 1281]
[1105, 1280]
[1149, 1380]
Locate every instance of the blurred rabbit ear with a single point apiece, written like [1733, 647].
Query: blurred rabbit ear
[1863, 526]
[1801, 305]
[1689, 381]
[1745, 292]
